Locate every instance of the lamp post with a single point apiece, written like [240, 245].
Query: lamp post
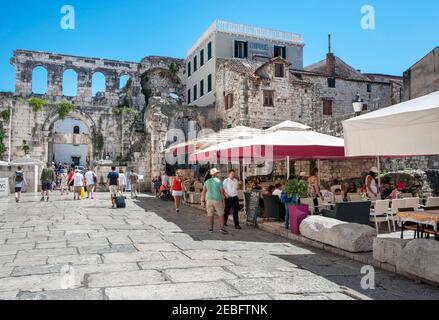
[358, 105]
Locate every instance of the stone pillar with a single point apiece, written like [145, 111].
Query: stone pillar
[54, 81]
[84, 86]
[111, 87]
[23, 80]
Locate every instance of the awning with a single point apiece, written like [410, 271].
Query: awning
[407, 129]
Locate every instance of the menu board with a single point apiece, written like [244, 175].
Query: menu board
[252, 207]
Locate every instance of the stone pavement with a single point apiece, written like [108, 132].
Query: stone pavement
[69, 249]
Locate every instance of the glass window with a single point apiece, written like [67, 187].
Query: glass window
[327, 107]
[280, 52]
[195, 92]
[279, 70]
[202, 58]
[209, 83]
[241, 49]
[369, 88]
[189, 96]
[201, 88]
[268, 98]
[189, 71]
[228, 101]
[209, 51]
[331, 82]
[195, 63]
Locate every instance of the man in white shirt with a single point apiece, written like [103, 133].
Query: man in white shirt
[90, 182]
[278, 190]
[78, 183]
[230, 187]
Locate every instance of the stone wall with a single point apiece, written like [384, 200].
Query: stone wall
[423, 77]
[26, 61]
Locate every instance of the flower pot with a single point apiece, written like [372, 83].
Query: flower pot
[297, 215]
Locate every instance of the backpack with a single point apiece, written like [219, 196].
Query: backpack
[19, 176]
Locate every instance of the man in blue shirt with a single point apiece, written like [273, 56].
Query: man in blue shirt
[113, 178]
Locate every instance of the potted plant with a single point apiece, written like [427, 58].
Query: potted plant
[295, 190]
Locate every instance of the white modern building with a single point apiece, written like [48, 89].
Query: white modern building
[228, 40]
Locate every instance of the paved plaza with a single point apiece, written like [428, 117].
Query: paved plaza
[67, 249]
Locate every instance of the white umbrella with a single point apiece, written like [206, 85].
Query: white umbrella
[287, 125]
[406, 129]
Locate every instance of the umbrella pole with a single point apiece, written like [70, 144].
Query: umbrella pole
[288, 167]
[318, 168]
[243, 185]
[379, 172]
[36, 179]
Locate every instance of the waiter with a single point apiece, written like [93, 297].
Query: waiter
[230, 187]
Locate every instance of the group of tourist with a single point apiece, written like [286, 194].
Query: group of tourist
[71, 179]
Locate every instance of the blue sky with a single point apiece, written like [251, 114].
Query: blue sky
[132, 29]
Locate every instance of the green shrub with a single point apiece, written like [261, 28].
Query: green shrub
[37, 104]
[118, 110]
[5, 114]
[296, 186]
[64, 108]
[2, 149]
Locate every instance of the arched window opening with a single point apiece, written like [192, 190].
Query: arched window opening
[123, 82]
[98, 84]
[70, 83]
[39, 80]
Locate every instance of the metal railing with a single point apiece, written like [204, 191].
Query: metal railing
[247, 30]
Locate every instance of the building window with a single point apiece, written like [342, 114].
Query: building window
[280, 52]
[76, 130]
[201, 58]
[369, 88]
[228, 101]
[279, 70]
[365, 107]
[241, 49]
[268, 98]
[189, 71]
[209, 83]
[189, 96]
[201, 88]
[331, 82]
[209, 51]
[195, 63]
[195, 92]
[327, 107]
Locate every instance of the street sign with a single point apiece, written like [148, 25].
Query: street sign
[4, 187]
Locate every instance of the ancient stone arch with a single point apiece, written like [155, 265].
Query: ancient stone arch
[51, 138]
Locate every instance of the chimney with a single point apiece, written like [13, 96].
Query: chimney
[330, 60]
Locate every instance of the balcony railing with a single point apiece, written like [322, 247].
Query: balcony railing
[247, 30]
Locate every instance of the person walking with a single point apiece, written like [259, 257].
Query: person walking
[47, 179]
[64, 183]
[230, 187]
[19, 181]
[371, 184]
[90, 182]
[177, 190]
[134, 180]
[70, 179]
[212, 199]
[313, 187]
[157, 182]
[113, 179]
[78, 184]
[122, 181]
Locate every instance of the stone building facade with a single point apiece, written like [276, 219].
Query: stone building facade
[423, 77]
[264, 93]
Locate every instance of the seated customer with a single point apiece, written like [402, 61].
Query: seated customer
[336, 185]
[255, 185]
[269, 191]
[278, 190]
[397, 191]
